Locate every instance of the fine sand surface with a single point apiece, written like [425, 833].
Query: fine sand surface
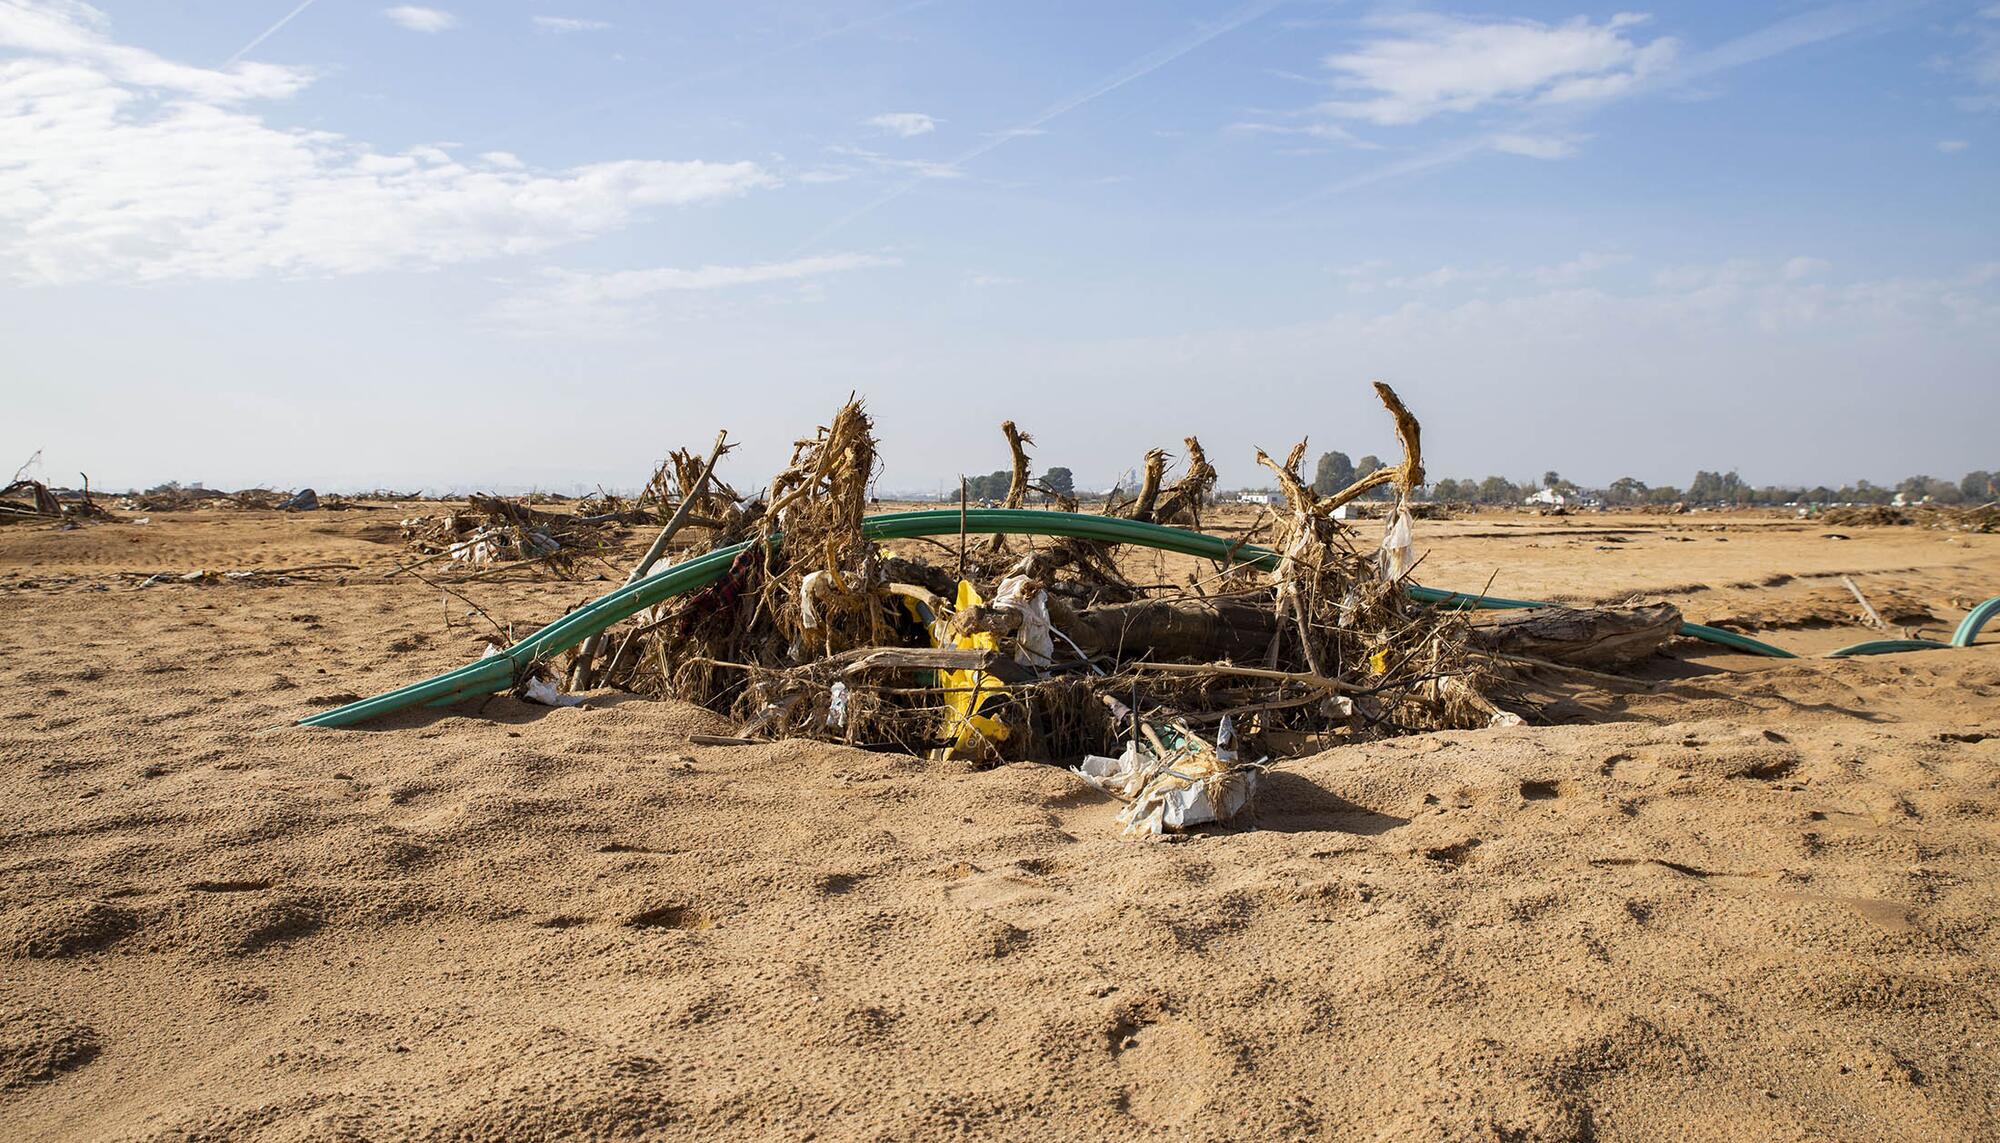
[1749, 900]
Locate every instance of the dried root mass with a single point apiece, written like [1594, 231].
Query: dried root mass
[1046, 649]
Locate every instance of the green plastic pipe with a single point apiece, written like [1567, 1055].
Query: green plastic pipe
[498, 672]
[1886, 647]
[1968, 628]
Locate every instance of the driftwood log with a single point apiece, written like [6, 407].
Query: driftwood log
[1239, 630]
[1203, 630]
[1588, 636]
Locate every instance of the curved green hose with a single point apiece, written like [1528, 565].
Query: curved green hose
[1968, 627]
[1886, 647]
[499, 672]
[1968, 630]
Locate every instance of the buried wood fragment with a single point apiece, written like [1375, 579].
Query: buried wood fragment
[1582, 636]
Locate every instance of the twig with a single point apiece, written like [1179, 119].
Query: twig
[400, 568]
[1017, 486]
[1867, 609]
[1308, 678]
[504, 636]
[579, 669]
[1255, 708]
[1551, 664]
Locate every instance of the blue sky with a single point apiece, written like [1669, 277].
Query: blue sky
[540, 242]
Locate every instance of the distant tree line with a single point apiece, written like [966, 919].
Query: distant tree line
[994, 485]
[1335, 472]
[1727, 488]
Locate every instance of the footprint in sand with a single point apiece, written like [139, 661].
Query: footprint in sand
[1167, 1069]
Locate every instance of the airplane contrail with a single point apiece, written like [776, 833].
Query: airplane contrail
[1137, 69]
[692, 78]
[268, 33]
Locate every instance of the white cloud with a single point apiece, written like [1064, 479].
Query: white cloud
[420, 19]
[1442, 278]
[824, 175]
[74, 32]
[1323, 132]
[1536, 146]
[1430, 65]
[1577, 269]
[1371, 276]
[1730, 274]
[116, 164]
[1800, 269]
[908, 124]
[988, 281]
[569, 303]
[921, 168]
[1952, 146]
[629, 285]
[566, 24]
[1364, 271]
[1980, 64]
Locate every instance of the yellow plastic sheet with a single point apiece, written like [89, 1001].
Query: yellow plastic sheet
[968, 692]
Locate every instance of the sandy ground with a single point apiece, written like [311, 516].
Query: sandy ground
[1750, 900]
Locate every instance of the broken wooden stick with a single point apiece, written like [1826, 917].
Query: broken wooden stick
[1867, 609]
[1017, 485]
[1406, 476]
[579, 671]
[1307, 677]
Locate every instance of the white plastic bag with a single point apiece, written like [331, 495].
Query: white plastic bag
[537, 690]
[1398, 550]
[1170, 794]
[1036, 646]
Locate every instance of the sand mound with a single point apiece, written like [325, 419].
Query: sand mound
[65, 927]
[37, 1045]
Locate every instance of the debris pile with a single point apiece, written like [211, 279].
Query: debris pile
[249, 577]
[1031, 648]
[1943, 517]
[179, 498]
[175, 498]
[24, 500]
[490, 530]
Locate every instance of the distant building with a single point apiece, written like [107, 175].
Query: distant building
[1256, 498]
[1547, 497]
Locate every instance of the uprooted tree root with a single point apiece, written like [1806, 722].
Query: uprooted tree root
[1046, 650]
